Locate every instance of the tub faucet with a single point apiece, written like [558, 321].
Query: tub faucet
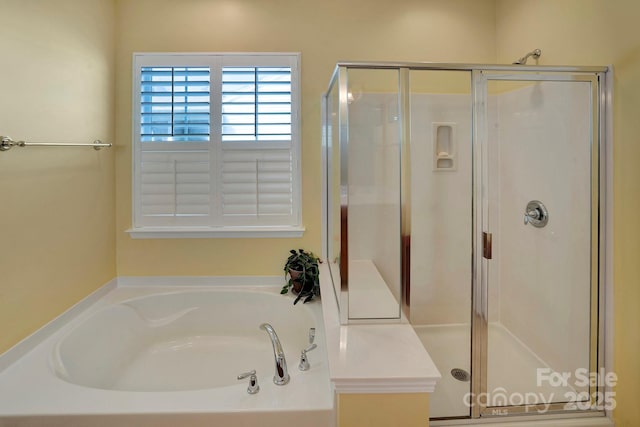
[282, 376]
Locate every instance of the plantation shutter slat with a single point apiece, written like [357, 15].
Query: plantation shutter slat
[257, 183]
[176, 184]
[175, 104]
[256, 104]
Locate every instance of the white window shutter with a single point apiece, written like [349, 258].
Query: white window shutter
[175, 104]
[256, 104]
[216, 143]
[257, 186]
[175, 188]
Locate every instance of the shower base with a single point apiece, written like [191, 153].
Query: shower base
[511, 370]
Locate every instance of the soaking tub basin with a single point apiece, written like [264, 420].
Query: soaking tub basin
[170, 355]
[181, 341]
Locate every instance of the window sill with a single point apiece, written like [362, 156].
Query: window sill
[213, 232]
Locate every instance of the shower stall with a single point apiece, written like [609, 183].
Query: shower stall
[468, 200]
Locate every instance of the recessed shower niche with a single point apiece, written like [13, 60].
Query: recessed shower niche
[429, 170]
[444, 141]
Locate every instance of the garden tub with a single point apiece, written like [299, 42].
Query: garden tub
[155, 355]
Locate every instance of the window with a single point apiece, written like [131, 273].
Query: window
[256, 104]
[216, 145]
[174, 103]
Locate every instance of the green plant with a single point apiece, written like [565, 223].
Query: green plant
[303, 274]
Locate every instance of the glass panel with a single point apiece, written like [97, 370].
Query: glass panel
[441, 230]
[539, 156]
[373, 218]
[332, 132]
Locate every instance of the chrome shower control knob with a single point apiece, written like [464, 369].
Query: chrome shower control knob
[253, 387]
[304, 361]
[536, 214]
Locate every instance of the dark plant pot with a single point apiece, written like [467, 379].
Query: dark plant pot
[297, 287]
[295, 278]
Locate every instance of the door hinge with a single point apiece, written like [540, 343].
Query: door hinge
[487, 245]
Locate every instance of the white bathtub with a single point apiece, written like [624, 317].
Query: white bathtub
[164, 356]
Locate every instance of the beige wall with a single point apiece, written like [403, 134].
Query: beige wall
[58, 208]
[57, 83]
[383, 410]
[325, 32]
[598, 32]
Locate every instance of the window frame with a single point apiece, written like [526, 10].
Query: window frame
[216, 61]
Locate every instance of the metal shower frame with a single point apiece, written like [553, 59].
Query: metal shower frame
[597, 75]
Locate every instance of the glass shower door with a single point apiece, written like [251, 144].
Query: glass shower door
[537, 227]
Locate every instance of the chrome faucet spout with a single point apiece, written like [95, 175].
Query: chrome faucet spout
[281, 376]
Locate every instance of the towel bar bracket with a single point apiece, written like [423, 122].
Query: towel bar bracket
[6, 143]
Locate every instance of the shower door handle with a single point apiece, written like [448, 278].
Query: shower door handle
[487, 245]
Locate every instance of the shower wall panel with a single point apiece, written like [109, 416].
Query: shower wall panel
[440, 213]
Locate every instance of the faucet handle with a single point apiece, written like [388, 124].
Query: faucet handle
[312, 335]
[253, 387]
[304, 361]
